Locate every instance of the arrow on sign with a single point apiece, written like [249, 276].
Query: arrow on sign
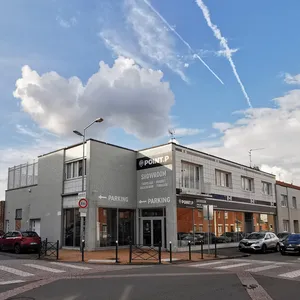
[145, 201]
[102, 197]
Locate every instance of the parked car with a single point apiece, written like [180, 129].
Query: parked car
[283, 236]
[19, 241]
[260, 241]
[291, 244]
[231, 237]
[1, 233]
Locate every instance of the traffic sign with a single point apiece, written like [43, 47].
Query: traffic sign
[83, 203]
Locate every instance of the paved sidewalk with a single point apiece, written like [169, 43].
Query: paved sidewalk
[109, 256]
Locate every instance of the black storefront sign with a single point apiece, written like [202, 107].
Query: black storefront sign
[186, 202]
[154, 161]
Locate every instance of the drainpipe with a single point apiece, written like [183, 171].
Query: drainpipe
[288, 207]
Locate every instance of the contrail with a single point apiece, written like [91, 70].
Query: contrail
[181, 38]
[223, 43]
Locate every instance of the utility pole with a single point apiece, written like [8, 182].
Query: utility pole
[250, 154]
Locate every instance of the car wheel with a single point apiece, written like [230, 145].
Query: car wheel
[17, 249]
[282, 252]
[264, 248]
[1, 247]
[277, 249]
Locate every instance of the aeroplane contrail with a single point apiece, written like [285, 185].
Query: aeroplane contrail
[181, 38]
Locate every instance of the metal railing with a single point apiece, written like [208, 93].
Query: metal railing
[49, 249]
[144, 253]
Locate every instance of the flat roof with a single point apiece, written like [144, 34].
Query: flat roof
[288, 185]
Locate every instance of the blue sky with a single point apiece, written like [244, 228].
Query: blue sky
[72, 37]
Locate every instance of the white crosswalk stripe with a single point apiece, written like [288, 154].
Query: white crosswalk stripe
[208, 264]
[39, 267]
[292, 274]
[264, 268]
[15, 271]
[11, 282]
[70, 266]
[232, 266]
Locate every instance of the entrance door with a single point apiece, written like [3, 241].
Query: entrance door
[36, 226]
[152, 232]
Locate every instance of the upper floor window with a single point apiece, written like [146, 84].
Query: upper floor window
[248, 184]
[19, 214]
[284, 200]
[294, 201]
[223, 178]
[190, 175]
[266, 188]
[74, 169]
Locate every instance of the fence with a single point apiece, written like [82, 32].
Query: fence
[144, 253]
[49, 249]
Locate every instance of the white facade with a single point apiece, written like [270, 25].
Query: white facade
[288, 207]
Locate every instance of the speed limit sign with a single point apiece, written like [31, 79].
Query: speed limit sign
[83, 203]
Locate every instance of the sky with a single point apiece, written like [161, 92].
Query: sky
[224, 76]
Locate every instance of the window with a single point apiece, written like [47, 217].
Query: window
[266, 188]
[284, 201]
[19, 214]
[220, 229]
[294, 201]
[74, 169]
[200, 228]
[286, 225]
[190, 176]
[219, 214]
[248, 184]
[226, 215]
[223, 178]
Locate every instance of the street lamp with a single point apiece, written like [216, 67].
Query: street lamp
[98, 120]
[250, 154]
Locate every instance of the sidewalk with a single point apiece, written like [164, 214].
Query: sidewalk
[109, 256]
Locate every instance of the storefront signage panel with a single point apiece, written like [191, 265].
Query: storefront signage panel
[155, 184]
[154, 161]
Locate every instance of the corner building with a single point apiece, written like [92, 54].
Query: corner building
[147, 196]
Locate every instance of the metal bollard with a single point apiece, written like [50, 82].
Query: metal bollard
[82, 250]
[170, 252]
[57, 249]
[117, 244]
[130, 252]
[202, 242]
[159, 253]
[190, 251]
[46, 246]
[215, 248]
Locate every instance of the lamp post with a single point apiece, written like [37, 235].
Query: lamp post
[98, 120]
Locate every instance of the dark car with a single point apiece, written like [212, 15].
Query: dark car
[19, 241]
[291, 244]
[283, 236]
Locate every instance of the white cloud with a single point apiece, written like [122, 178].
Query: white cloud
[142, 36]
[274, 129]
[290, 79]
[227, 52]
[66, 23]
[187, 131]
[125, 95]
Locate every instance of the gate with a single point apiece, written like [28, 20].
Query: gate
[49, 249]
[145, 253]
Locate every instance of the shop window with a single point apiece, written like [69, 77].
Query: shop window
[71, 227]
[126, 227]
[284, 201]
[190, 175]
[266, 188]
[247, 184]
[223, 178]
[74, 169]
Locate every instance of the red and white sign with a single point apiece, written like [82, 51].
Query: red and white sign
[83, 203]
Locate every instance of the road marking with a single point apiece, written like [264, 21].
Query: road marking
[259, 269]
[70, 266]
[44, 268]
[262, 261]
[292, 274]
[11, 282]
[15, 271]
[126, 292]
[208, 264]
[233, 266]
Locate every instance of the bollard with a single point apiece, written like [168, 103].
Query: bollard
[159, 253]
[190, 251]
[46, 246]
[82, 250]
[117, 249]
[202, 242]
[215, 248]
[170, 252]
[130, 252]
[57, 249]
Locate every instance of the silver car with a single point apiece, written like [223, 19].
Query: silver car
[260, 241]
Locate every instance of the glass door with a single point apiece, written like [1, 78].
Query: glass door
[152, 232]
[157, 232]
[147, 233]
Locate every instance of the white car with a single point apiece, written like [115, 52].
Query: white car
[260, 241]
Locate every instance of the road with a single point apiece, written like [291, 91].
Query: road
[269, 277]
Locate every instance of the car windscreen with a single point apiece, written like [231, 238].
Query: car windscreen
[254, 236]
[29, 234]
[282, 235]
[294, 237]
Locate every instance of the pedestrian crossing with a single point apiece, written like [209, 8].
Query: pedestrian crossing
[22, 271]
[283, 270]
